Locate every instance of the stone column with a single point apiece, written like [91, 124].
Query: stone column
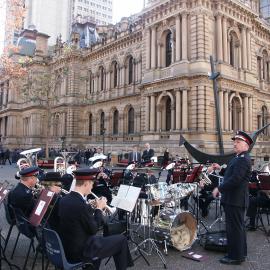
[159, 125]
[147, 113]
[148, 48]
[244, 47]
[185, 110]
[250, 105]
[246, 114]
[123, 73]
[139, 70]
[178, 110]
[225, 40]
[4, 95]
[221, 102]
[226, 110]
[178, 38]
[201, 108]
[159, 55]
[219, 38]
[153, 47]
[248, 49]
[184, 37]
[173, 117]
[153, 113]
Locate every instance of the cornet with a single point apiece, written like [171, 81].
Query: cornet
[107, 210]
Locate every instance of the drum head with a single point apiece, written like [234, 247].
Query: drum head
[183, 231]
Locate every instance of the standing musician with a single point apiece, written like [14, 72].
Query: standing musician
[79, 223]
[234, 198]
[148, 153]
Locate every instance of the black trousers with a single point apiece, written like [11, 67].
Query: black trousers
[236, 232]
[99, 247]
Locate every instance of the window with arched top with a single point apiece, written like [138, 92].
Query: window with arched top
[115, 122]
[168, 114]
[115, 74]
[130, 70]
[102, 123]
[236, 114]
[264, 119]
[102, 78]
[90, 125]
[131, 120]
[234, 49]
[169, 48]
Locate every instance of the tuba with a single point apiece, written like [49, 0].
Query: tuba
[23, 163]
[60, 165]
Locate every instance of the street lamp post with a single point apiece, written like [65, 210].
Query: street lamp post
[62, 141]
[103, 140]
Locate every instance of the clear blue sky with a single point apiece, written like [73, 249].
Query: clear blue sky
[121, 8]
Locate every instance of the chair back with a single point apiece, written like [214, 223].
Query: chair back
[264, 182]
[54, 249]
[23, 225]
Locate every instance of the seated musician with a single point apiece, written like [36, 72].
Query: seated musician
[261, 200]
[134, 156]
[101, 187]
[79, 223]
[21, 196]
[148, 153]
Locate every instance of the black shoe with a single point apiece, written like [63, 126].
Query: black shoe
[226, 260]
[251, 228]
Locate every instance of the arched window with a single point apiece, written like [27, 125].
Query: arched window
[115, 122]
[234, 44]
[130, 70]
[90, 78]
[236, 114]
[259, 68]
[131, 119]
[56, 125]
[102, 123]
[168, 114]
[102, 78]
[115, 74]
[169, 46]
[264, 119]
[90, 130]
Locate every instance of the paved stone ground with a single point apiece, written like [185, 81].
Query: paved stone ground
[258, 247]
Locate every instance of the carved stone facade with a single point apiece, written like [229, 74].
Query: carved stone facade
[147, 82]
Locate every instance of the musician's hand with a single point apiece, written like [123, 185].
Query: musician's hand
[201, 183]
[215, 192]
[101, 203]
[55, 189]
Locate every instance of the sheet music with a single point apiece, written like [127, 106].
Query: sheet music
[126, 197]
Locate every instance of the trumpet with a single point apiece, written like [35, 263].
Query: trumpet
[107, 210]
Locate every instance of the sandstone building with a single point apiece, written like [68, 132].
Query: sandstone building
[147, 81]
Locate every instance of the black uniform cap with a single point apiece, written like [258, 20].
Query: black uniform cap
[29, 171]
[52, 177]
[86, 174]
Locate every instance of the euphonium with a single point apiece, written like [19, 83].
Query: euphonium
[60, 165]
[23, 163]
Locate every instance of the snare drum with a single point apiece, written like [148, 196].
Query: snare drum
[159, 193]
[179, 230]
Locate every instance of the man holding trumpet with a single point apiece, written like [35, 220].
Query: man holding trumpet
[79, 223]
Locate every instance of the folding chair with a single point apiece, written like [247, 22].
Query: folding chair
[55, 252]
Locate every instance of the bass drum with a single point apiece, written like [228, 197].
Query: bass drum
[179, 230]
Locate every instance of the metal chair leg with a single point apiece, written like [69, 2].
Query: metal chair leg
[8, 236]
[27, 255]
[35, 259]
[12, 254]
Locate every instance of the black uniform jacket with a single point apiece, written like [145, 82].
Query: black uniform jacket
[78, 222]
[148, 154]
[22, 197]
[234, 188]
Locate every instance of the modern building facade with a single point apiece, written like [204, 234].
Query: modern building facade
[147, 81]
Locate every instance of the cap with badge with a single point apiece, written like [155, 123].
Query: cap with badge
[241, 135]
[86, 174]
[31, 171]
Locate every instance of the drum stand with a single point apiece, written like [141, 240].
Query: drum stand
[149, 245]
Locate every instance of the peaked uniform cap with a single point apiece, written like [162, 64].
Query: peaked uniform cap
[86, 174]
[29, 171]
[241, 135]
